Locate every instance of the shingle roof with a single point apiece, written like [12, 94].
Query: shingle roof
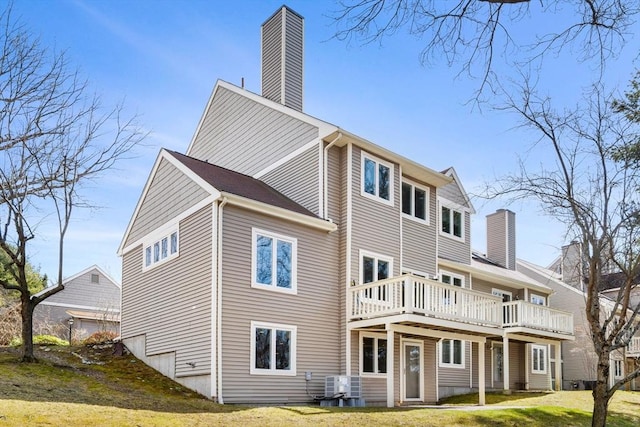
[228, 181]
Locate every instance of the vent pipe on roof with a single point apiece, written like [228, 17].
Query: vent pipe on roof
[501, 238]
[282, 58]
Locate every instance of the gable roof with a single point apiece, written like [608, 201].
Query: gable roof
[66, 280]
[451, 172]
[226, 180]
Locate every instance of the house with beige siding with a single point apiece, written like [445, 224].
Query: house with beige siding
[89, 303]
[281, 251]
[579, 357]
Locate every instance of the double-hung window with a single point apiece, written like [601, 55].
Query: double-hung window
[373, 351]
[415, 201]
[377, 179]
[451, 222]
[273, 349]
[274, 261]
[538, 359]
[452, 353]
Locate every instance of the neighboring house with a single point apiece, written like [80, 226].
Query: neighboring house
[89, 302]
[579, 357]
[282, 249]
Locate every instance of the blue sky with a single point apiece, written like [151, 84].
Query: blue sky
[163, 58]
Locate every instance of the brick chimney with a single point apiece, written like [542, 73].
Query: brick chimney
[282, 58]
[501, 238]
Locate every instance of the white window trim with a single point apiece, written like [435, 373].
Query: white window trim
[156, 237]
[499, 293]
[453, 207]
[252, 345]
[453, 275]
[364, 155]
[427, 191]
[294, 261]
[543, 349]
[376, 336]
[616, 363]
[364, 253]
[442, 364]
[542, 297]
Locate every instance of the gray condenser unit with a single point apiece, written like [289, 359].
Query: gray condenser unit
[343, 386]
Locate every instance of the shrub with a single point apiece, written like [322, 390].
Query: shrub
[100, 337]
[40, 340]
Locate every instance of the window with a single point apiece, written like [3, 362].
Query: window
[373, 350]
[375, 267]
[161, 248]
[538, 359]
[274, 261]
[273, 349]
[377, 179]
[95, 278]
[452, 353]
[451, 279]
[538, 299]
[617, 368]
[415, 202]
[451, 222]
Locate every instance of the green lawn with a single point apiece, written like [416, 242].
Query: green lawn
[62, 391]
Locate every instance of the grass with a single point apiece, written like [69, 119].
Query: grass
[61, 390]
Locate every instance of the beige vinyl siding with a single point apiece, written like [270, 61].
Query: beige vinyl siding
[453, 249]
[293, 88]
[171, 303]
[419, 251]
[80, 291]
[170, 193]
[496, 238]
[453, 193]
[517, 365]
[375, 225]
[299, 179]
[314, 310]
[272, 57]
[579, 358]
[456, 377]
[430, 370]
[242, 135]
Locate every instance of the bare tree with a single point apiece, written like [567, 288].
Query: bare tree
[585, 184]
[54, 137]
[474, 33]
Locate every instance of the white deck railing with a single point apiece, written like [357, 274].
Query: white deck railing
[526, 314]
[412, 294]
[633, 349]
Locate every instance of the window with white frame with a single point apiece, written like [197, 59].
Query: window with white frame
[162, 248]
[415, 201]
[617, 368]
[273, 349]
[451, 278]
[377, 178]
[538, 299]
[538, 359]
[451, 222]
[452, 353]
[373, 351]
[374, 267]
[274, 261]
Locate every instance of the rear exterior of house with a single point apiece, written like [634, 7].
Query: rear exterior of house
[283, 249]
[89, 303]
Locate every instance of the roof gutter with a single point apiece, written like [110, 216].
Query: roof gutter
[325, 175]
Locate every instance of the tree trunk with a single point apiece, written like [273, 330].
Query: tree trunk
[27, 329]
[601, 394]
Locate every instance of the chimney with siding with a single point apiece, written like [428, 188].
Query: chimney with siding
[572, 264]
[282, 57]
[501, 238]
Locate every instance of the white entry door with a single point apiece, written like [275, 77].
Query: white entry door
[413, 367]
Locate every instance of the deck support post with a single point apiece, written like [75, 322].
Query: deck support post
[505, 363]
[558, 374]
[390, 367]
[481, 399]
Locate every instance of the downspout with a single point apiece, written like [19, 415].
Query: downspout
[325, 173]
[219, 302]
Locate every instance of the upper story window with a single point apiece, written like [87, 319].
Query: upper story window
[415, 201]
[95, 278]
[451, 278]
[274, 261]
[538, 299]
[617, 368]
[273, 349]
[373, 351]
[452, 353]
[162, 248]
[452, 222]
[377, 179]
[538, 359]
[375, 267]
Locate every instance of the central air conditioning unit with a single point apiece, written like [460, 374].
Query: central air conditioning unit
[343, 387]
